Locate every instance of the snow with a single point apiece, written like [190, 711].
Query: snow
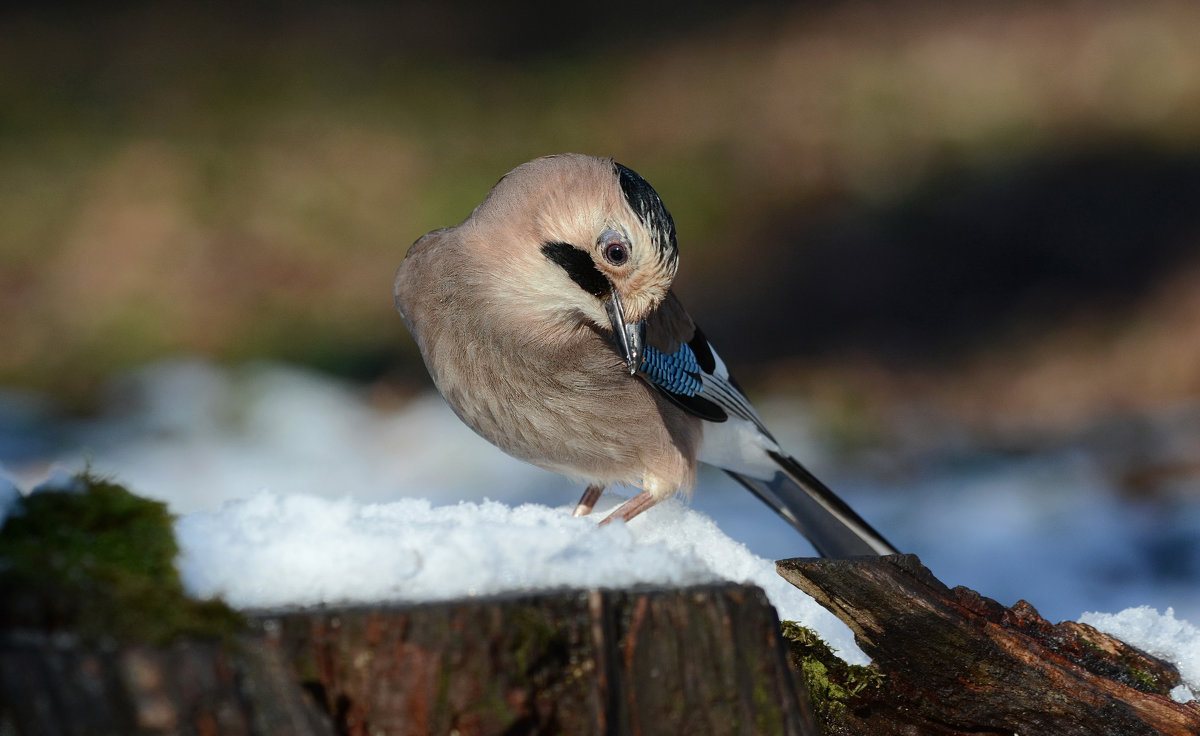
[295, 489]
[1162, 635]
[194, 435]
[272, 550]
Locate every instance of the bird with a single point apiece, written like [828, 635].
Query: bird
[547, 321]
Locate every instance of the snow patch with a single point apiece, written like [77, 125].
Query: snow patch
[1161, 635]
[272, 550]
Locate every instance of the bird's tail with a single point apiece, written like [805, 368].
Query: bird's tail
[808, 504]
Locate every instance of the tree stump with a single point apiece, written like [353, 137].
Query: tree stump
[55, 684]
[955, 662]
[702, 660]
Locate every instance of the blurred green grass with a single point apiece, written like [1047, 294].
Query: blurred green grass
[243, 183]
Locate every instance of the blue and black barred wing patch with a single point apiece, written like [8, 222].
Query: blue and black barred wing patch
[680, 378]
[695, 378]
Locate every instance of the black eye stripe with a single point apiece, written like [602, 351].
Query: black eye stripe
[578, 265]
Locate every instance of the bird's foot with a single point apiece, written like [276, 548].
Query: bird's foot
[632, 507]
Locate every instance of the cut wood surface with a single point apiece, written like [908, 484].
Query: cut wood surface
[955, 662]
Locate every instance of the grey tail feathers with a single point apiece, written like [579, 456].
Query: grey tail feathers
[807, 504]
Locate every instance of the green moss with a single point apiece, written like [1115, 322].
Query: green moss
[1145, 679]
[768, 716]
[537, 642]
[833, 686]
[98, 561]
[1125, 668]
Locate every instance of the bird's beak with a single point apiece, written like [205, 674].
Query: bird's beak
[631, 338]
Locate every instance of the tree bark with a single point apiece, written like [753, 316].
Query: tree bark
[702, 660]
[955, 662]
[53, 684]
[705, 660]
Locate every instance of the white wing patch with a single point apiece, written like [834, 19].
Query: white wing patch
[740, 446]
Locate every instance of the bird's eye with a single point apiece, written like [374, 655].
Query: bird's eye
[616, 253]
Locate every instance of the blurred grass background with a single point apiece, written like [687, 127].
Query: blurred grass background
[988, 210]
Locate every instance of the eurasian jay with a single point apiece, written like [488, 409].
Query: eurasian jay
[547, 322]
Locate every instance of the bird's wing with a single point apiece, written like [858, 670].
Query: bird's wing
[681, 363]
[684, 367]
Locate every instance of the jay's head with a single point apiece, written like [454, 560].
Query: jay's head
[583, 238]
